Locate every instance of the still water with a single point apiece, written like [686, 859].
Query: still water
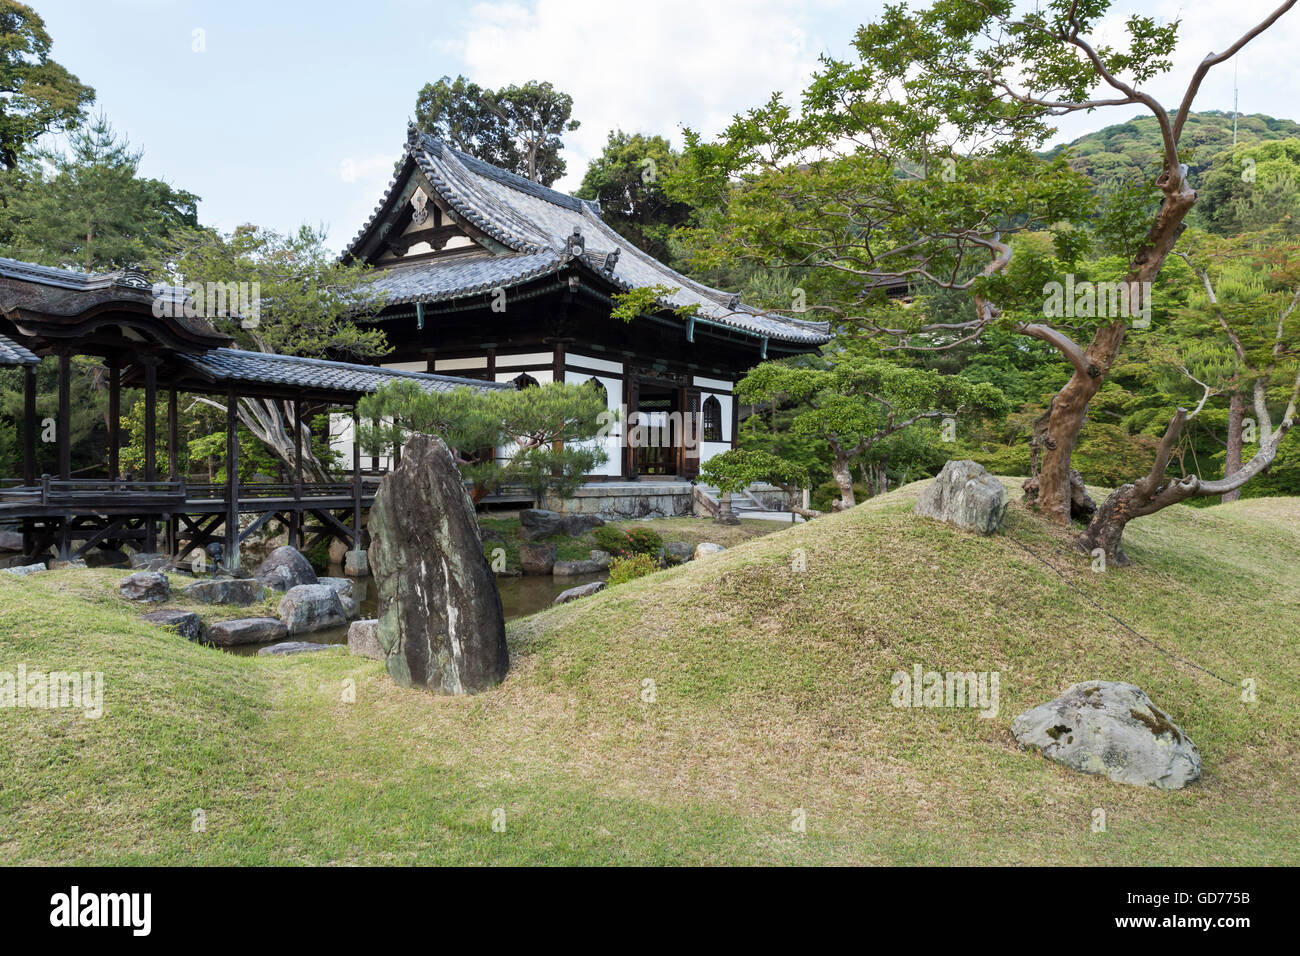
[520, 596]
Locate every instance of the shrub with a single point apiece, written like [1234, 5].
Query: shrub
[645, 541]
[612, 540]
[631, 567]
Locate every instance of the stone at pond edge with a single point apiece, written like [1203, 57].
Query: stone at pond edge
[11, 541]
[706, 548]
[537, 557]
[150, 586]
[679, 552]
[582, 591]
[963, 494]
[440, 620]
[343, 586]
[185, 623]
[601, 559]
[1113, 729]
[356, 564]
[577, 525]
[363, 639]
[149, 561]
[23, 570]
[285, 568]
[240, 592]
[568, 569]
[311, 607]
[538, 523]
[292, 647]
[245, 630]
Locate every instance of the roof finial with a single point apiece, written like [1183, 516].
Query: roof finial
[575, 245]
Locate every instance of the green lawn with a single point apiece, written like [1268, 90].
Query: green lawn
[771, 696]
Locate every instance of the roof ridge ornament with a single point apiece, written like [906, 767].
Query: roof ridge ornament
[133, 277]
[575, 244]
[611, 260]
[734, 303]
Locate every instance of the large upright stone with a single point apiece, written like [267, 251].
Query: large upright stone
[284, 569]
[538, 523]
[440, 619]
[965, 495]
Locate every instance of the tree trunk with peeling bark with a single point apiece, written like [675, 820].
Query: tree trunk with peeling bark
[1236, 413]
[843, 476]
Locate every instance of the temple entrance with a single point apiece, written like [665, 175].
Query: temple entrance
[657, 434]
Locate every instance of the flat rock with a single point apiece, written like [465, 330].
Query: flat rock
[311, 607]
[239, 592]
[966, 496]
[246, 630]
[538, 523]
[706, 548]
[75, 564]
[582, 591]
[23, 570]
[568, 569]
[149, 586]
[185, 623]
[286, 648]
[441, 626]
[1112, 729]
[363, 639]
[537, 557]
[285, 568]
[344, 586]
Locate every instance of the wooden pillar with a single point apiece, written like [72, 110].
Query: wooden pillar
[231, 555]
[29, 426]
[63, 439]
[356, 480]
[114, 419]
[173, 438]
[295, 517]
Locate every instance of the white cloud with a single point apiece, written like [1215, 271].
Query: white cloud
[647, 66]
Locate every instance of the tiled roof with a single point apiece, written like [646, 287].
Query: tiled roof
[11, 353]
[236, 365]
[535, 222]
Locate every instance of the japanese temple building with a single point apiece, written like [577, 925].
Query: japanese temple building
[487, 275]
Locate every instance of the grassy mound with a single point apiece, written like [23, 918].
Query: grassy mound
[693, 715]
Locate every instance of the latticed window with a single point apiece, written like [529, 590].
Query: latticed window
[712, 412]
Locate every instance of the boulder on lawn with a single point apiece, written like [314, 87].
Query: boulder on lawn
[363, 639]
[311, 607]
[538, 523]
[246, 630]
[966, 496]
[285, 568]
[23, 570]
[568, 569]
[440, 620]
[149, 586]
[240, 592]
[537, 557]
[577, 525]
[582, 591]
[1111, 728]
[285, 648]
[706, 548]
[679, 552]
[184, 623]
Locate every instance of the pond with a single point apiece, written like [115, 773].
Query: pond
[520, 596]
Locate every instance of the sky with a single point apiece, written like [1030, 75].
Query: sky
[283, 112]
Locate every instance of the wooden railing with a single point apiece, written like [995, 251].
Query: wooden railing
[69, 492]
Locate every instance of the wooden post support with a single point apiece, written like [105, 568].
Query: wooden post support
[173, 438]
[29, 426]
[297, 448]
[114, 419]
[356, 480]
[231, 555]
[150, 443]
[64, 425]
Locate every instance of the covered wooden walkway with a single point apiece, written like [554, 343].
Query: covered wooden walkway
[115, 318]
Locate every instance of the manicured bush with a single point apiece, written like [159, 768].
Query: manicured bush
[645, 541]
[612, 540]
[624, 569]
